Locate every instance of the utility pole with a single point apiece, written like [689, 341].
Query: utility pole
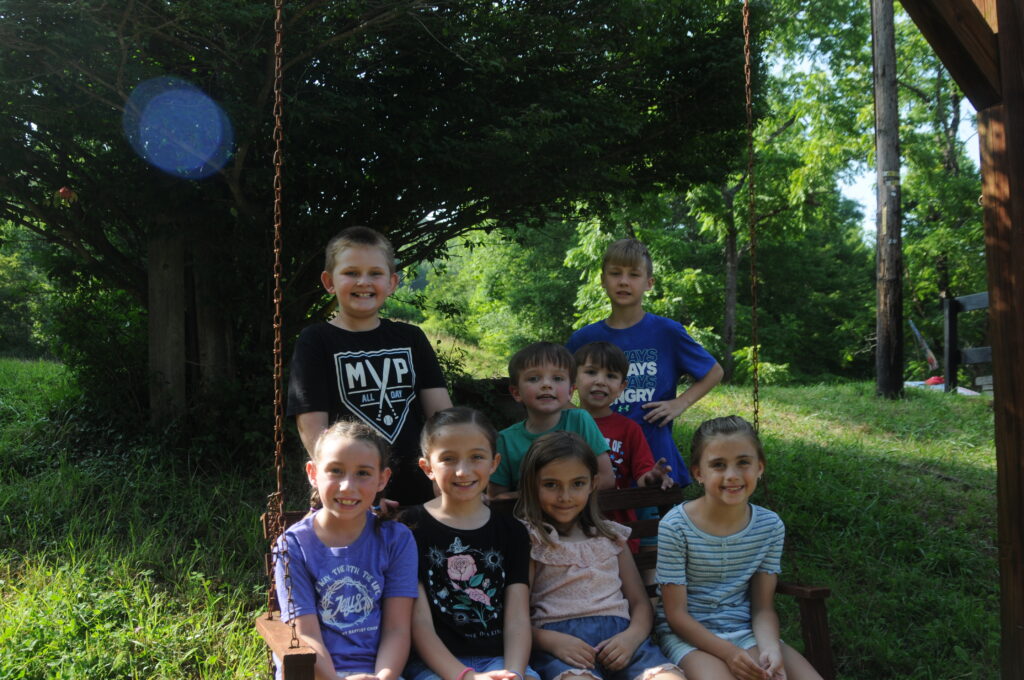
[889, 249]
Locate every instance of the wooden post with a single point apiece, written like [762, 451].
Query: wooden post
[889, 250]
[1001, 131]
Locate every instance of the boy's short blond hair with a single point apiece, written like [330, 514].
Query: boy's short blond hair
[359, 236]
[537, 354]
[628, 252]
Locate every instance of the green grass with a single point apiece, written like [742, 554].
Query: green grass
[116, 562]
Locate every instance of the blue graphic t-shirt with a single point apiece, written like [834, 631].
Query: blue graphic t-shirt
[345, 587]
[464, 573]
[660, 353]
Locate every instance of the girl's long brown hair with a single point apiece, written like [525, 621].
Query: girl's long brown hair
[547, 449]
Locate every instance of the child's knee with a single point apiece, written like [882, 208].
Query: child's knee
[668, 671]
[576, 674]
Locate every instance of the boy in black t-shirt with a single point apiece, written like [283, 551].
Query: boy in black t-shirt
[360, 366]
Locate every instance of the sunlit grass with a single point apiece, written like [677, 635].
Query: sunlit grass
[116, 562]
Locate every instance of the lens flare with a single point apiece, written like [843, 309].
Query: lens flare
[176, 127]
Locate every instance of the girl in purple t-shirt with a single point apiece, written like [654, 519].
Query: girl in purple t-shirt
[347, 578]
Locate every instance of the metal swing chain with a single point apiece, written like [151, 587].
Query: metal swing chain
[275, 502]
[751, 213]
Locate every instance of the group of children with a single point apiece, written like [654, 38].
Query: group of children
[456, 591]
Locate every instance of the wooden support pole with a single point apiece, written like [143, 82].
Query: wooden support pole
[1001, 130]
[889, 249]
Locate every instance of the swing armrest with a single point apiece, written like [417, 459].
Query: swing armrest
[296, 662]
[813, 625]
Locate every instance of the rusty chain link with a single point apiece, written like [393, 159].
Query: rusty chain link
[751, 213]
[275, 502]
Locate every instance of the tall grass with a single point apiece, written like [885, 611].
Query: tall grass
[116, 562]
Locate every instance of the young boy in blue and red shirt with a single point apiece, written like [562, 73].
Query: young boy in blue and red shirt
[601, 370]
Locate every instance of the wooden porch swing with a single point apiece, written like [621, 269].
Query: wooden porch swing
[297, 661]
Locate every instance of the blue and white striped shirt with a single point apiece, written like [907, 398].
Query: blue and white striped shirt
[716, 570]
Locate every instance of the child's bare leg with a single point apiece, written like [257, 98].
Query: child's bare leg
[576, 674]
[663, 674]
[700, 665]
[797, 667]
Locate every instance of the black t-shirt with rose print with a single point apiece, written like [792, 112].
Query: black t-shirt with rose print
[465, 573]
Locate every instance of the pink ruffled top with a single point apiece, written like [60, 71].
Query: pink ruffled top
[573, 579]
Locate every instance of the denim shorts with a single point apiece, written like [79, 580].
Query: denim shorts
[417, 670]
[592, 630]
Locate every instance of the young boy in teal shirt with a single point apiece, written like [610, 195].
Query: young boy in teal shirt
[540, 378]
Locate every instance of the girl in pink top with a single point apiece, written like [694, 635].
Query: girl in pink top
[590, 614]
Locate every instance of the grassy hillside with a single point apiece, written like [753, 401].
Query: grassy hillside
[117, 562]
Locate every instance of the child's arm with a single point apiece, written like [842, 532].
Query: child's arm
[605, 474]
[434, 399]
[517, 627]
[395, 637]
[310, 426]
[662, 413]
[765, 623]
[435, 653]
[616, 652]
[741, 664]
[307, 628]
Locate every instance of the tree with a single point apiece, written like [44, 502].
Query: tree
[423, 119]
[889, 249]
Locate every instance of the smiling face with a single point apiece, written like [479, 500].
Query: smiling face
[543, 389]
[361, 281]
[348, 476]
[626, 284]
[460, 461]
[598, 387]
[729, 469]
[563, 491]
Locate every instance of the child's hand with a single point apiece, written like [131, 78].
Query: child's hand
[361, 676]
[662, 413]
[660, 474]
[388, 508]
[571, 650]
[616, 652]
[744, 667]
[493, 675]
[771, 662]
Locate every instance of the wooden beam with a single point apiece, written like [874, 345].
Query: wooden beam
[963, 39]
[1001, 130]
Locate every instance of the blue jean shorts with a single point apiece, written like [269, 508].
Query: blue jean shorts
[592, 630]
[417, 670]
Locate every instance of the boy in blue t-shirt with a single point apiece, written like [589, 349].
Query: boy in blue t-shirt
[660, 352]
[541, 379]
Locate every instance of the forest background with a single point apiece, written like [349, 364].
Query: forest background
[499, 165]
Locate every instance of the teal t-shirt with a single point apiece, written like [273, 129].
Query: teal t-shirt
[515, 441]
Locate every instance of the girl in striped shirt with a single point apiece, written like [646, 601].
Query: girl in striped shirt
[718, 561]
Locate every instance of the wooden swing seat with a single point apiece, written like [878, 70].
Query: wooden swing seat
[297, 662]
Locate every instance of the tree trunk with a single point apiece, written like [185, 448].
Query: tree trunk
[889, 252]
[216, 355]
[167, 382]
